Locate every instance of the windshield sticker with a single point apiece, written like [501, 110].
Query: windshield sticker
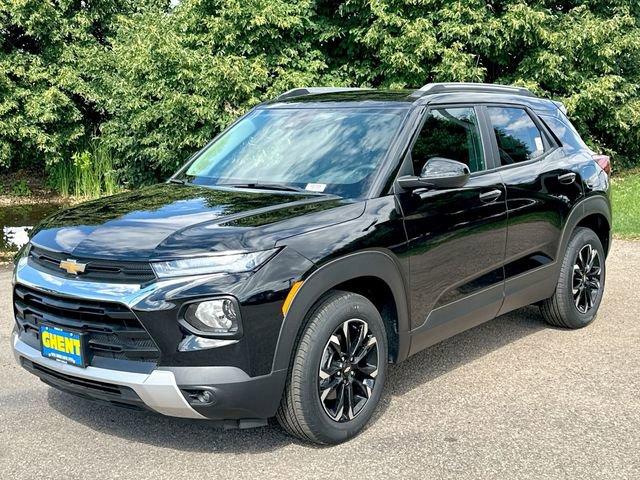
[315, 187]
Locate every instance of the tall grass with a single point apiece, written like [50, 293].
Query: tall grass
[626, 204]
[88, 174]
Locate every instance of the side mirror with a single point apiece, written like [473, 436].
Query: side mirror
[437, 172]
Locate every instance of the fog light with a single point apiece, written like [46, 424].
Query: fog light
[219, 316]
[199, 396]
[205, 396]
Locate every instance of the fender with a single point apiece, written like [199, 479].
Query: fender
[595, 204]
[367, 263]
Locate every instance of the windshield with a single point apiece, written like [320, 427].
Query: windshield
[318, 150]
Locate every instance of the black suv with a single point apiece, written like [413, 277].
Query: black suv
[322, 236]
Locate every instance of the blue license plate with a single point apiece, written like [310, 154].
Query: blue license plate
[62, 345]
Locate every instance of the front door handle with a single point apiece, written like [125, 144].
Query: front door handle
[567, 178]
[490, 196]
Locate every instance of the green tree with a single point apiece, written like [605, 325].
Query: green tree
[585, 53]
[44, 107]
[169, 84]
[153, 81]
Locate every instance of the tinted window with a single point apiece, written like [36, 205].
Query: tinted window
[518, 137]
[565, 133]
[450, 133]
[323, 150]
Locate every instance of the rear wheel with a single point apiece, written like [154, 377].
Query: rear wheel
[338, 371]
[581, 284]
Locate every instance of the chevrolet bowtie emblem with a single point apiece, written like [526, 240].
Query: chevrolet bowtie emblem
[72, 266]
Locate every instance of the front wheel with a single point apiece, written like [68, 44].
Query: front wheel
[581, 284]
[338, 371]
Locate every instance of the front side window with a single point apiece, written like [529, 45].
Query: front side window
[519, 139]
[321, 150]
[449, 133]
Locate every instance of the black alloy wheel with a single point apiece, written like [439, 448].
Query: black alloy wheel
[338, 371]
[586, 278]
[348, 370]
[580, 287]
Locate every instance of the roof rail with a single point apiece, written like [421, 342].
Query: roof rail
[473, 87]
[299, 92]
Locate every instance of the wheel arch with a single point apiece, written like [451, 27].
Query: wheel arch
[594, 213]
[370, 273]
[601, 226]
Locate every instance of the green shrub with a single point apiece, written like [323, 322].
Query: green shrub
[20, 189]
[153, 83]
[46, 108]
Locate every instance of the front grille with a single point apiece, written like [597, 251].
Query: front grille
[98, 270]
[112, 329]
[91, 389]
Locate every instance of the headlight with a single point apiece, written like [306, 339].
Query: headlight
[222, 263]
[219, 316]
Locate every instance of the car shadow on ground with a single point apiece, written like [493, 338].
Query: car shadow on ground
[202, 436]
[459, 350]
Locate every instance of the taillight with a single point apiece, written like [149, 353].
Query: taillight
[604, 161]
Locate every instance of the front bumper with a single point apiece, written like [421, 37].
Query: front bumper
[236, 395]
[164, 388]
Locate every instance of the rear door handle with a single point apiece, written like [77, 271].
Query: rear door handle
[490, 196]
[567, 178]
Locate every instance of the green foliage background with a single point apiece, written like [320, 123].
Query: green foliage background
[152, 81]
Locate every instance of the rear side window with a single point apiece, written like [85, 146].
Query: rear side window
[519, 139]
[565, 132]
[449, 133]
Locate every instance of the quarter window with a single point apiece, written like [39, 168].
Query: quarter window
[565, 132]
[449, 133]
[519, 139]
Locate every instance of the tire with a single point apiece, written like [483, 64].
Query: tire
[564, 309]
[302, 412]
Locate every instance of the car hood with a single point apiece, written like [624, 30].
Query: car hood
[170, 221]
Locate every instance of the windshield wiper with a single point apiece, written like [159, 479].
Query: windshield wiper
[266, 186]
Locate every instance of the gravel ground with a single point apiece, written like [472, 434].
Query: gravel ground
[510, 399]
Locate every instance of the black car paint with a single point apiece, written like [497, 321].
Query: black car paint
[171, 220]
[448, 260]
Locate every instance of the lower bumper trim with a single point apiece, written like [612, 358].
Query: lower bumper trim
[92, 390]
[157, 390]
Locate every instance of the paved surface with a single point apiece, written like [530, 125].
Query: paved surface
[509, 399]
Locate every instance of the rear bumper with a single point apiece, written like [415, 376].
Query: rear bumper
[236, 395]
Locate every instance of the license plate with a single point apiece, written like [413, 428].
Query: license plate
[62, 345]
